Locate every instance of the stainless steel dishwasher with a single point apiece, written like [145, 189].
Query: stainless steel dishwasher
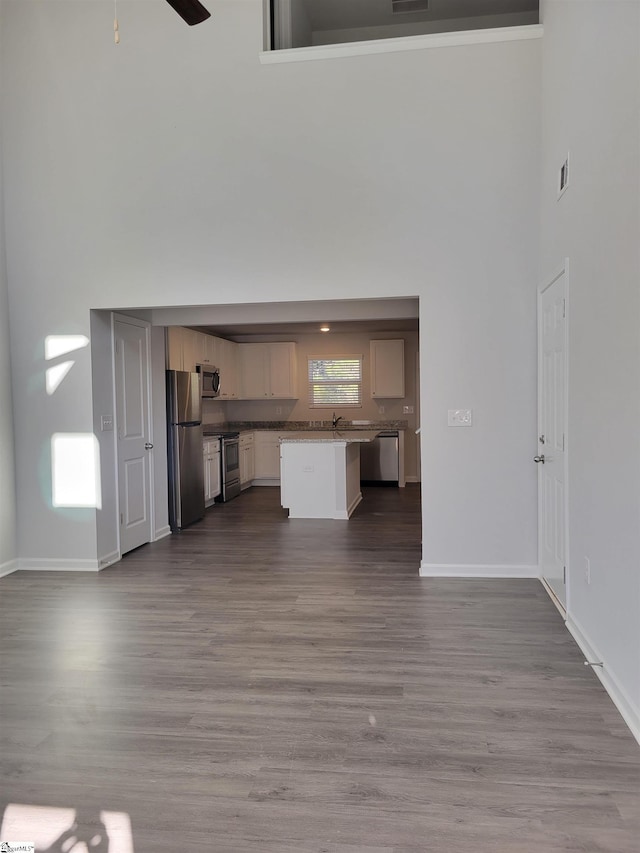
[379, 459]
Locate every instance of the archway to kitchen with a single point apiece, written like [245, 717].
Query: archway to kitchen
[353, 324]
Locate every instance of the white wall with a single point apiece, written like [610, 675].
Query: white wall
[8, 550]
[591, 98]
[175, 169]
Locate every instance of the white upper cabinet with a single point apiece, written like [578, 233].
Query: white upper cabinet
[387, 368]
[268, 371]
[174, 347]
[226, 355]
[204, 346]
[190, 349]
[187, 348]
[208, 350]
[253, 372]
[283, 370]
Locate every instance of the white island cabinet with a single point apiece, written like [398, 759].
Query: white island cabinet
[320, 473]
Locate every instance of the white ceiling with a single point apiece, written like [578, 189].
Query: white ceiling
[262, 330]
[345, 14]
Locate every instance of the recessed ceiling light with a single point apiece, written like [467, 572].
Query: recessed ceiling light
[325, 328]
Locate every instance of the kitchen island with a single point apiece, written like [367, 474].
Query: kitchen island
[320, 472]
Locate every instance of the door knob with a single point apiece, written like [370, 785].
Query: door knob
[539, 459]
[148, 446]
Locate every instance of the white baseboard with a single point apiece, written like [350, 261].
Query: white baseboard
[8, 567]
[477, 570]
[108, 560]
[562, 610]
[48, 564]
[618, 695]
[162, 532]
[354, 503]
[411, 479]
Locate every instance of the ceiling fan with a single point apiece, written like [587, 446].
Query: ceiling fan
[191, 11]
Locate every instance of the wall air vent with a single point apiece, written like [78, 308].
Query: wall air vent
[402, 6]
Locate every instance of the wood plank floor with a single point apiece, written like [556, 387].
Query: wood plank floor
[255, 685]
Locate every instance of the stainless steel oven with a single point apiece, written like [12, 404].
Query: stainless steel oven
[230, 461]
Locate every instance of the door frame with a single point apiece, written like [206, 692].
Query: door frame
[133, 321]
[542, 288]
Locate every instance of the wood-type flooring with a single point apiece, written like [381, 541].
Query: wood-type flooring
[260, 685]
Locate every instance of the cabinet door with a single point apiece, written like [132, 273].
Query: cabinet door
[190, 340]
[207, 479]
[253, 371]
[267, 456]
[227, 353]
[209, 350]
[250, 463]
[198, 344]
[215, 471]
[283, 370]
[387, 368]
[233, 369]
[174, 347]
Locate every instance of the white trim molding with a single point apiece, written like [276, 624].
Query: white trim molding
[9, 567]
[629, 712]
[54, 564]
[161, 533]
[108, 560]
[394, 45]
[477, 570]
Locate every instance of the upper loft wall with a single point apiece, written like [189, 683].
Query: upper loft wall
[176, 169]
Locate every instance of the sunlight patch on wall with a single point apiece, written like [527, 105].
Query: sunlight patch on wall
[56, 374]
[75, 470]
[56, 345]
[70, 830]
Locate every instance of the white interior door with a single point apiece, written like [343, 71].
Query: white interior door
[131, 342]
[552, 396]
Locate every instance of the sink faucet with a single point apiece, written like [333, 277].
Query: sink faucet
[335, 420]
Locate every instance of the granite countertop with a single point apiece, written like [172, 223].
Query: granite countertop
[301, 426]
[331, 436]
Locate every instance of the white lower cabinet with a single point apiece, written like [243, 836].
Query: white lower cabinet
[267, 456]
[212, 471]
[247, 459]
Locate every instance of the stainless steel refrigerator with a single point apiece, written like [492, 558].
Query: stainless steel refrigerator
[186, 470]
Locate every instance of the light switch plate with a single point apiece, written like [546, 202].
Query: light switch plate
[407, 410]
[106, 423]
[460, 417]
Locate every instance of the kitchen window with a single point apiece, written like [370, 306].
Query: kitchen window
[335, 381]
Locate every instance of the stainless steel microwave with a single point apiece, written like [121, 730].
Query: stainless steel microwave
[209, 380]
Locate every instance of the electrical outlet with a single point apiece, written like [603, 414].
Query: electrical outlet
[587, 570]
[407, 410]
[381, 410]
[278, 410]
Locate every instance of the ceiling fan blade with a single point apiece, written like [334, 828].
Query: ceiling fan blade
[190, 11]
